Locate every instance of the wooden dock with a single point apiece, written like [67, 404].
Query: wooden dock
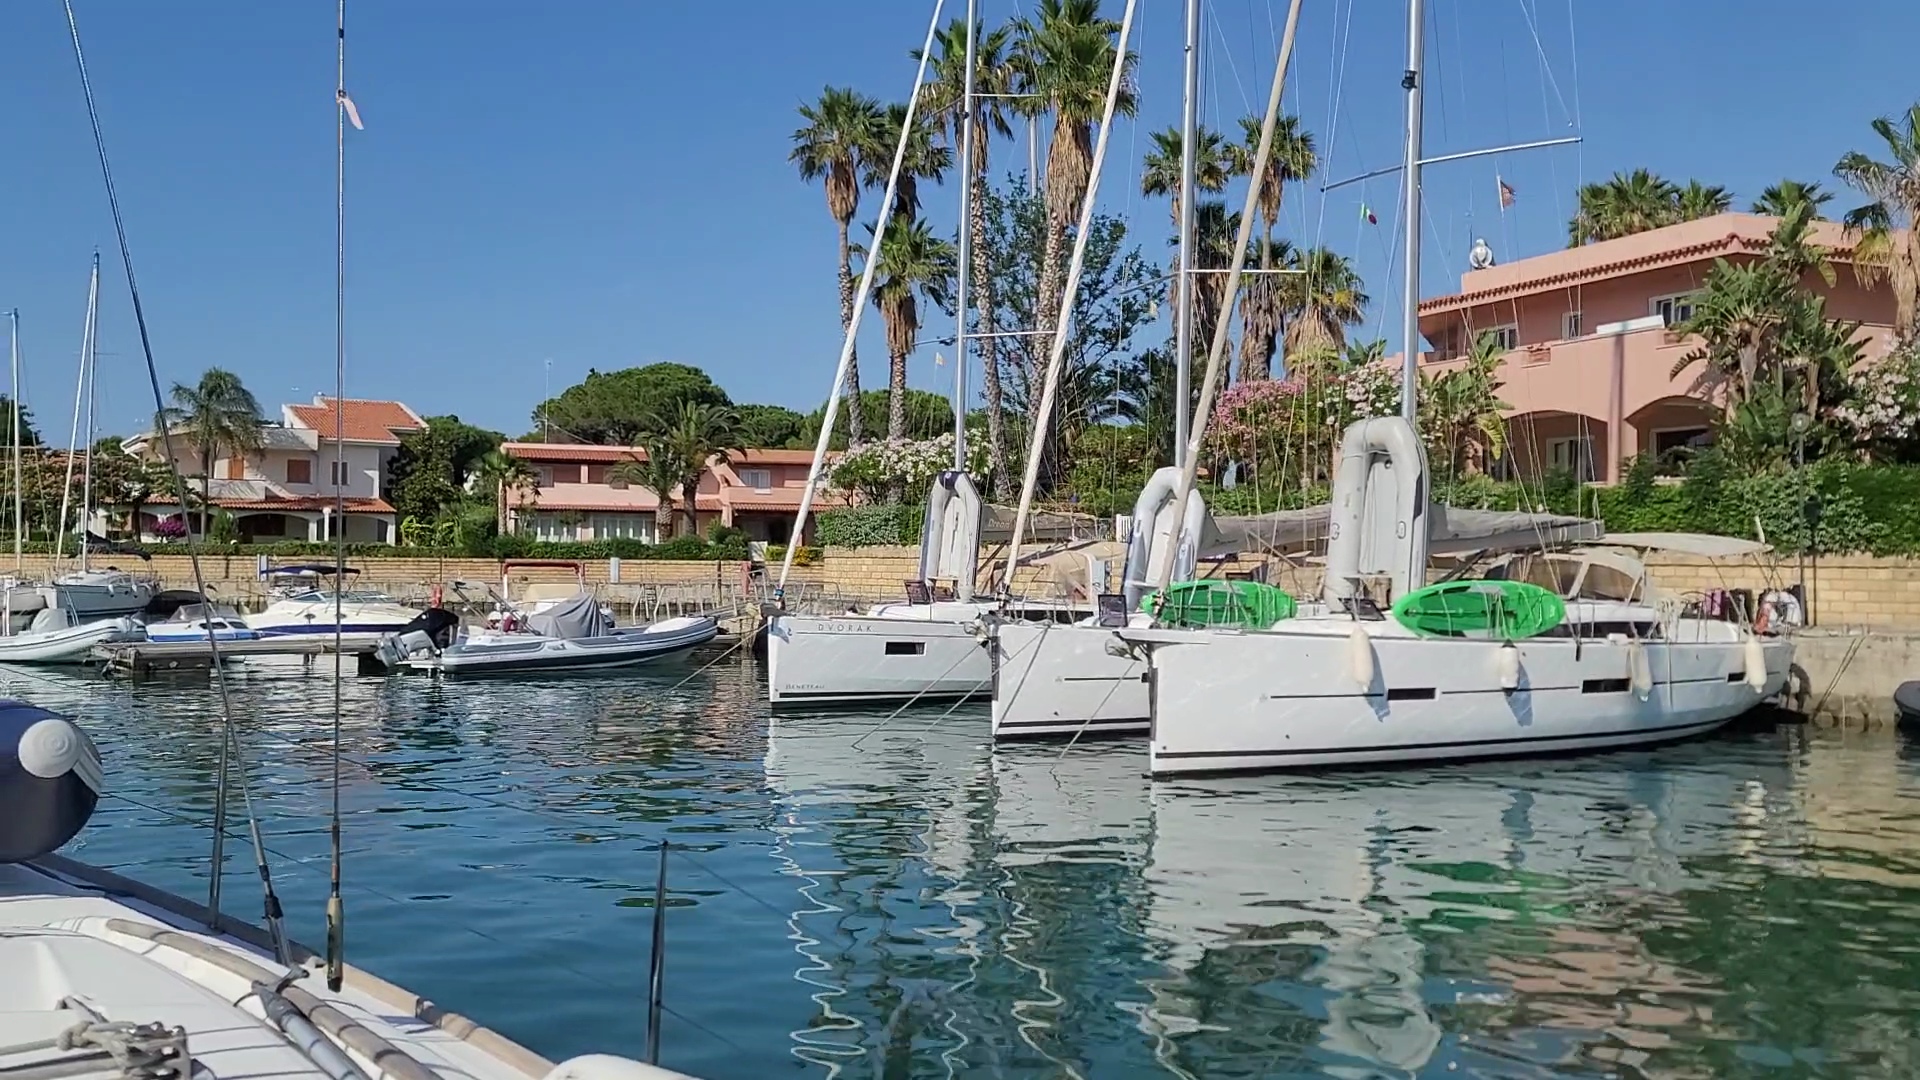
[137, 658]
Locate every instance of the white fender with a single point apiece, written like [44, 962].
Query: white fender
[1145, 553]
[1360, 663]
[1639, 670]
[1507, 664]
[1756, 663]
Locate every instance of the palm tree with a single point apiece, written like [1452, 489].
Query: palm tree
[842, 134]
[992, 82]
[925, 159]
[504, 473]
[1292, 157]
[1262, 311]
[1780, 199]
[1362, 353]
[1215, 228]
[1460, 409]
[914, 263]
[680, 445]
[1161, 173]
[1888, 226]
[1063, 60]
[1738, 313]
[1321, 301]
[1698, 200]
[221, 417]
[1626, 204]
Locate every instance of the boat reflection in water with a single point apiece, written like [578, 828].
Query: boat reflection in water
[1040, 913]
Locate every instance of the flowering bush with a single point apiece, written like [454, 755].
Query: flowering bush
[1370, 390]
[1883, 400]
[1299, 419]
[882, 469]
[170, 528]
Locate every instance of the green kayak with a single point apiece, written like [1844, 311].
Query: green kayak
[1502, 610]
[1248, 604]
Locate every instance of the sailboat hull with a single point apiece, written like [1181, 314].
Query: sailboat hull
[840, 659]
[1228, 702]
[1051, 681]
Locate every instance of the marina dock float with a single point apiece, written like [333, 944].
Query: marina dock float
[158, 657]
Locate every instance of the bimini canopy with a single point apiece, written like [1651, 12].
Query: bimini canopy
[1701, 544]
[1454, 530]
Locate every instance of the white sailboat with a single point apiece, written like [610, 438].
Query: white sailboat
[925, 649]
[1344, 685]
[89, 593]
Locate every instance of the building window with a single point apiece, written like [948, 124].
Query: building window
[1572, 325]
[1574, 454]
[596, 474]
[299, 471]
[543, 476]
[1506, 338]
[550, 528]
[623, 527]
[1673, 310]
[757, 479]
[338, 473]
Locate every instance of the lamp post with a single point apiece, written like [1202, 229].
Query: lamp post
[1809, 508]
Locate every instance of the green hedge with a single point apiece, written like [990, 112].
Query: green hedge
[876, 525]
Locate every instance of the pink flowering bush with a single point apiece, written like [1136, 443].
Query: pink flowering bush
[170, 528]
[878, 469]
[1290, 427]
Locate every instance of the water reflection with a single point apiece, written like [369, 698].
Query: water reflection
[889, 896]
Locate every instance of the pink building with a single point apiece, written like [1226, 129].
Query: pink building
[577, 498]
[286, 490]
[1590, 371]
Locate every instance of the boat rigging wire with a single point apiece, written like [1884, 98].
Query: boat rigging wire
[336, 905]
[232, 766]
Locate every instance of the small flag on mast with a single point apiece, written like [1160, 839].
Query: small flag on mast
[1506, 193]
[353, 114]
[1366, 215]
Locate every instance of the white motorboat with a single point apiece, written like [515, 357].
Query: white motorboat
[55, 637]
[108, 977]
[201, 622]
[98, 594]
[361, 614]
[569, 637]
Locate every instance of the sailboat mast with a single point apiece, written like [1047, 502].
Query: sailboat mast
[19, 505]
[962, 280]
[92, 362]
[1183, 282]
[1410, 215]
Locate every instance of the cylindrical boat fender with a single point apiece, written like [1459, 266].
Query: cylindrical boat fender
[50, 781]
[1756, 663]
[1507, 665]
[1360, 662]
[1639, 670]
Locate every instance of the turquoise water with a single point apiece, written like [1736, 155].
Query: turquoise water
[860, 899]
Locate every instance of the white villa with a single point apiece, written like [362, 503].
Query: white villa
[286, 490]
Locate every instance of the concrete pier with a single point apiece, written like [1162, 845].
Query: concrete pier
[1846, 677]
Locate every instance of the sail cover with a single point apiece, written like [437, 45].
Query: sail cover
[1454, 530]
[570, 620]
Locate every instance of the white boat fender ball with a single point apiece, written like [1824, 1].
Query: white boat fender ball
[1360, 656]
[50, 781]
[1639, 670]
[1507, 663]
[1756, 664]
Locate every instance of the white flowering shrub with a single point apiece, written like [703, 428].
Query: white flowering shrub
[879, 469]
[1883, 400]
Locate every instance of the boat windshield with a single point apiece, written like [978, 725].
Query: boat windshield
[349, 596]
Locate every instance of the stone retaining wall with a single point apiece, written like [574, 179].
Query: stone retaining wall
[1845, 591]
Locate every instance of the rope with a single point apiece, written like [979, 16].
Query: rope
[149, 1051]
[231, 759]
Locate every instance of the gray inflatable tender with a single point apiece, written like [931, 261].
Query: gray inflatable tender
[50, 781]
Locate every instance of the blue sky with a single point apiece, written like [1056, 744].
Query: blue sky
[604, 182]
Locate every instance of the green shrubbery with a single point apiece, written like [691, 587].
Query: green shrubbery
[873, 525]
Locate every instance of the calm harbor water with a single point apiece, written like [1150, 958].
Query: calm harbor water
[899, 900]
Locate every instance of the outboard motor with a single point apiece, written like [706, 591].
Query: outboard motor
[50, 781]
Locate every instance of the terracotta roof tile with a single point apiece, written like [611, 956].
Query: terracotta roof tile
[353, 506]
[360, 420]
